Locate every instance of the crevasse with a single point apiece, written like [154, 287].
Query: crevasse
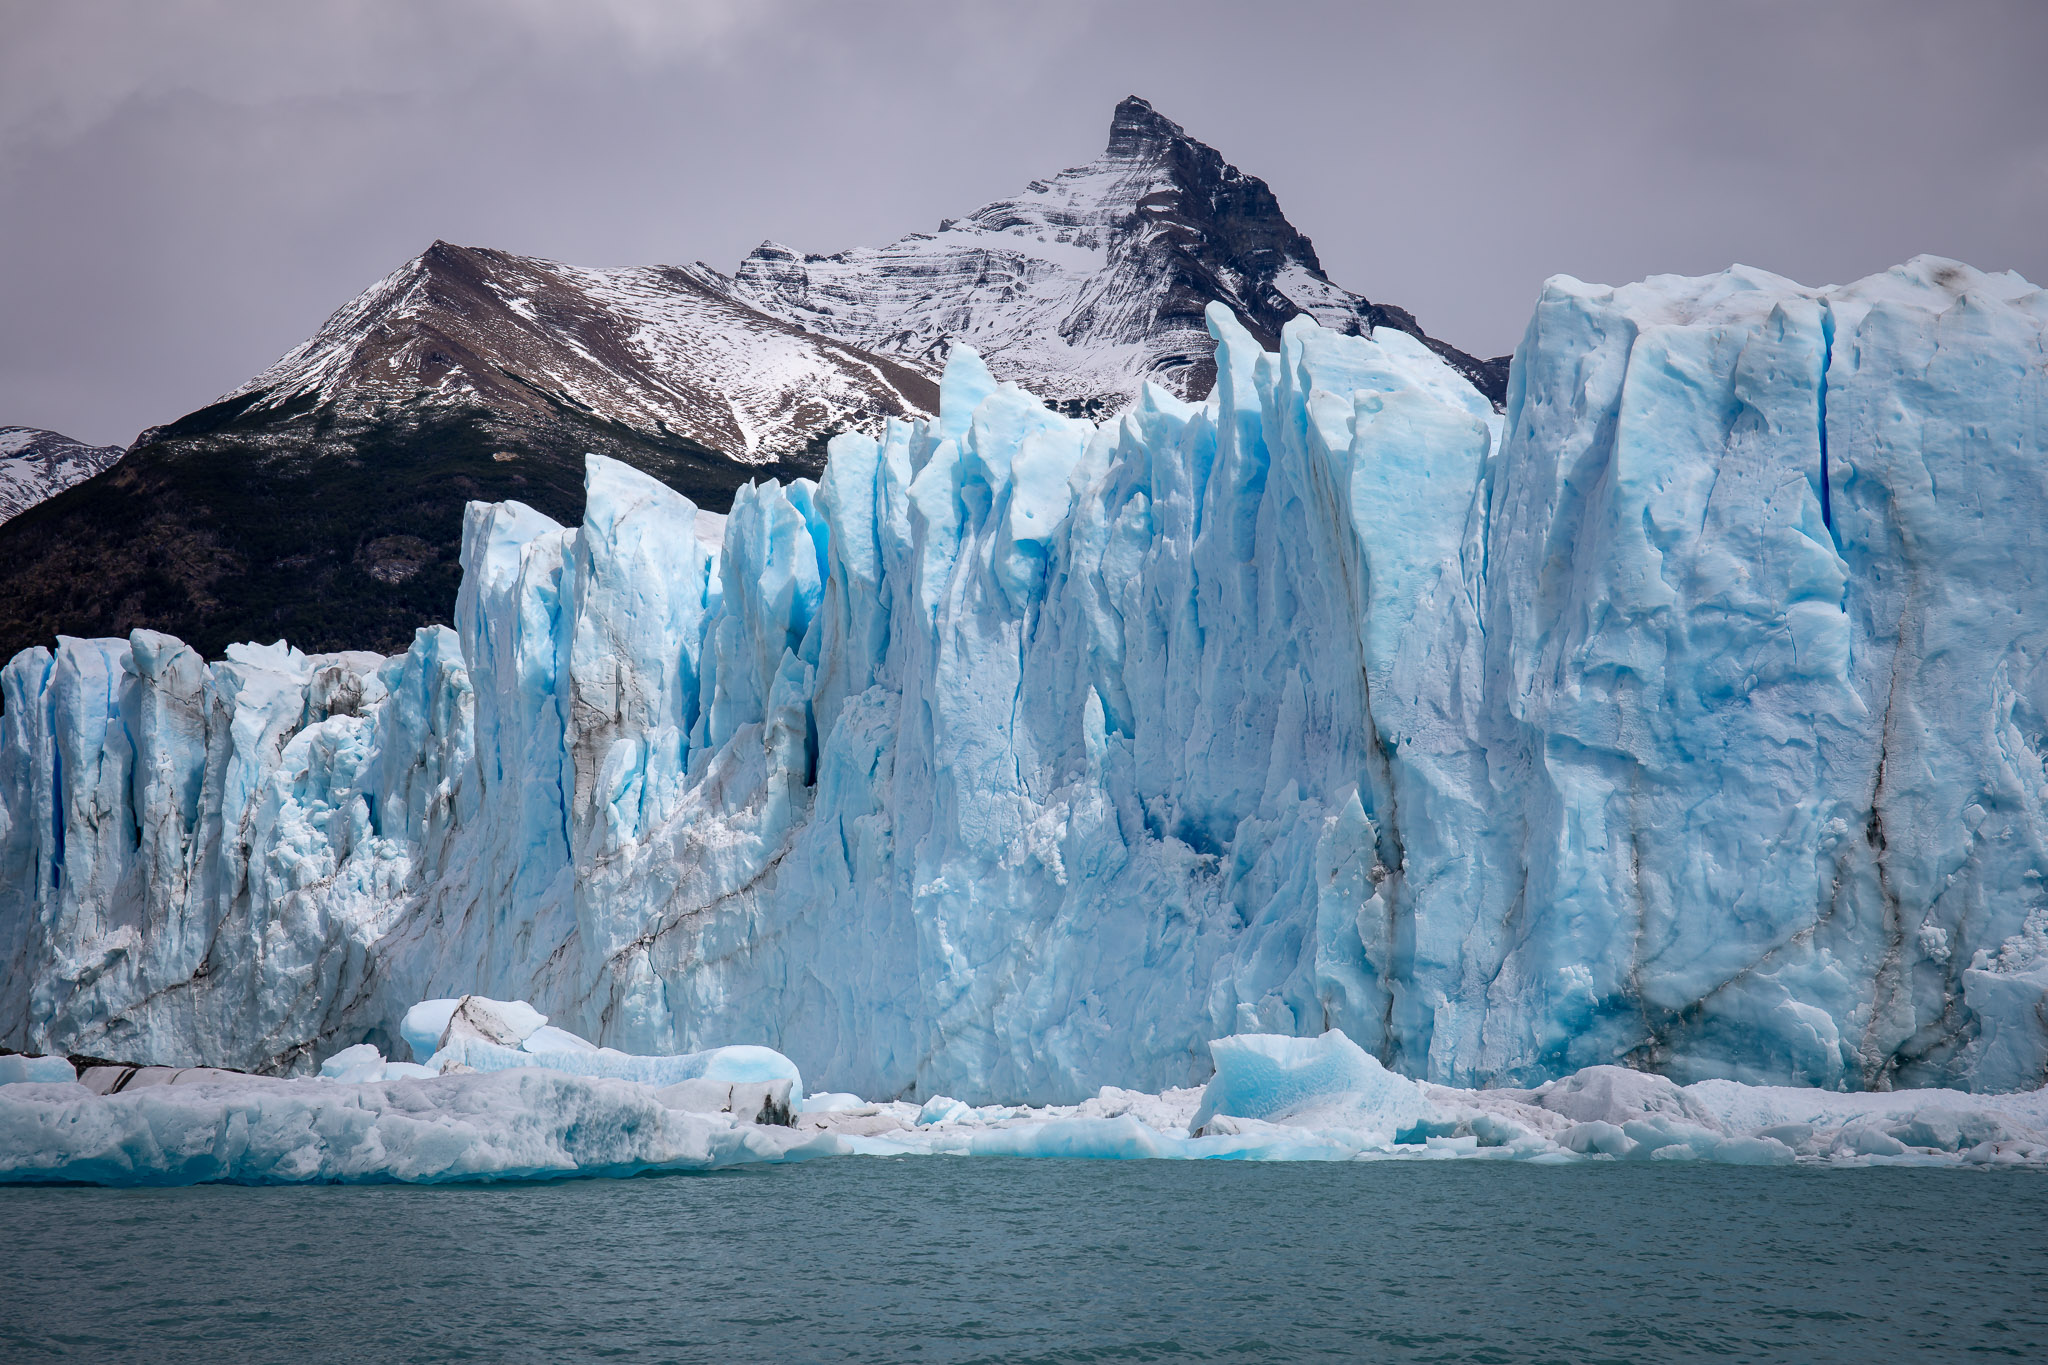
[1692, 715]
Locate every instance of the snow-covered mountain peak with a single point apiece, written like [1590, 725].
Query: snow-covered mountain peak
[1087, 283]
[1136, 130]
[655, 349]
[37, 464]
[1134, 174]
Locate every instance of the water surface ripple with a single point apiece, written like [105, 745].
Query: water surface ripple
[950, 1260]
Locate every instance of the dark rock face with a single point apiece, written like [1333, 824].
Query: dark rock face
[322, 502]
[1091, 282]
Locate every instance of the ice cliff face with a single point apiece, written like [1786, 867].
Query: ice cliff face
[1691, 715]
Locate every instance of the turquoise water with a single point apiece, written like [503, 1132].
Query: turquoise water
[940, 1259]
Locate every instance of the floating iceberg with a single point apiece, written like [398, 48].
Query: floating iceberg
[432, 1024]
[513, 1125]
[1272, 1076]
[478, 1034]
[1692, 714]
[364, 1065]
[1273, 1098]
[20, 1070]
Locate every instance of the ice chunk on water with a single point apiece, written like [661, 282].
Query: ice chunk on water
[747, 1101]
[1117, 1139]
[942, 1109]
[500, 1035]
[728, 1065]
[508, 1023]
[524, 1124]
[16, 1069]
[424, 1024]
[749, 1062]
[1269, 1076]
[1615, 1095]
[181, 1125]
[354, 1065]
[548, 1038]
[363, 1064]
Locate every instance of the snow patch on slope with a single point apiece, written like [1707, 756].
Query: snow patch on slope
[37, 464]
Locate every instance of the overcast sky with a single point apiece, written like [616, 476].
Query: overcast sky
[188, 188]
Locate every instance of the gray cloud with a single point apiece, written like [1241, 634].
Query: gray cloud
[188, 189]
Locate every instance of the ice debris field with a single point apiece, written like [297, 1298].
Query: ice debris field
[1689, 717]
[503, 1095]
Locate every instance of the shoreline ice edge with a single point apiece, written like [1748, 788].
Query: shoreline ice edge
[1273, 1098]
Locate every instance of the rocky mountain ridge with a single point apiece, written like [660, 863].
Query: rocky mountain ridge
[37, 464]
[652, 350]
[1090, 282]
[323, 499]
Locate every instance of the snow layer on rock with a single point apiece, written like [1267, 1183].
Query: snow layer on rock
[37, 464]
[1690, 715]
[1082, 287]
[661, 351]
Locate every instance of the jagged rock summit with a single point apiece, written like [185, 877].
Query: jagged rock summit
[1090, 282]
[37, 464]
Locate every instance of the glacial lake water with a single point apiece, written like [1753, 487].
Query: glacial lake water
[946, 1259]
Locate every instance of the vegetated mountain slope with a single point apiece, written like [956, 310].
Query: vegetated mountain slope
[34, 464]
[322, 501]
[1090, 282]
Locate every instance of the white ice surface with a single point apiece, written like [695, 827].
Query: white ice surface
[525, 1124]
[19, 1070]
[1313, 1100]
[478, 1034]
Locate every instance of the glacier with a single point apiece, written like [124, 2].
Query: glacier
[1690, 717]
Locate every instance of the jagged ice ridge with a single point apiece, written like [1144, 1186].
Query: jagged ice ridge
[1691, 715]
